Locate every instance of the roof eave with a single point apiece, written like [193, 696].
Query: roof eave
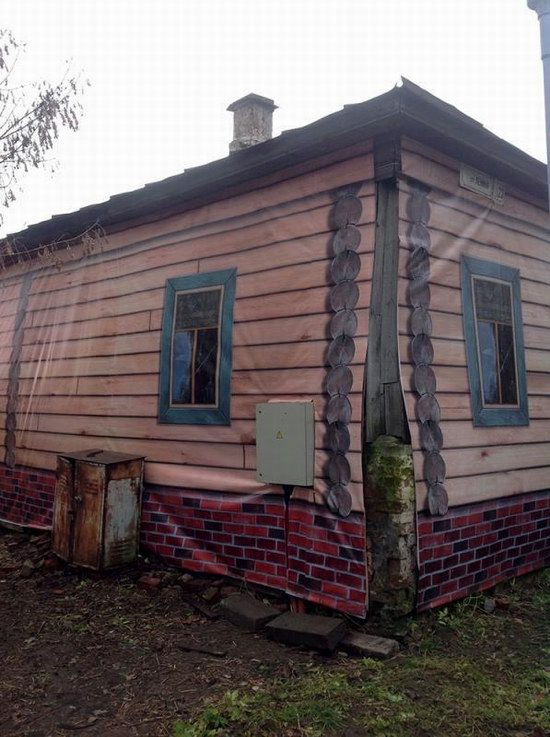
[212, 181]
[465, 139]
[405, 110]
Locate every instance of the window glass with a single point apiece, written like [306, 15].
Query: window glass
[493, 300]
[495, 335]
[493, 332]
[488, 361]
[196, 348]
[199, 309]
[205, 367]
[182, 356]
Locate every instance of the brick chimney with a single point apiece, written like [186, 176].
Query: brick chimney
[252, 121]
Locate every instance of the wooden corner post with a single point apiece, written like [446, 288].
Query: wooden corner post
[387, 453]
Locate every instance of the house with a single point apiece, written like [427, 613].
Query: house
[385, 270]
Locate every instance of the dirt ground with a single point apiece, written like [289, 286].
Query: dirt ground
[84, 654]
[91, 655]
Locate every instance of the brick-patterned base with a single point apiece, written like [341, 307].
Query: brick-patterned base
[476, 546]
[305, 551]
[217, 533]
[26, 496]
[327, 558]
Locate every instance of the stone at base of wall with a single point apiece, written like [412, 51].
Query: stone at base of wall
[479, 545]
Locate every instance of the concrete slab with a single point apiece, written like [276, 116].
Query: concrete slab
[247, 613]
[307, 630]
[369, 646]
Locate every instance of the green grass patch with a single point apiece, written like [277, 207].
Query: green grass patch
[467, 674]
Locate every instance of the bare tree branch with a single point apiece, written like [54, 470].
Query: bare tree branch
[31, 117]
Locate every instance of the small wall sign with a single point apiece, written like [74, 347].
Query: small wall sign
[481, 183]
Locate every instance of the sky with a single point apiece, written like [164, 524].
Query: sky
[162, 73]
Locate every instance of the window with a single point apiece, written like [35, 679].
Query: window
[195, 362]
[494, 343]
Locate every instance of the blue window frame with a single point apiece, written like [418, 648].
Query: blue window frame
[495, 353]
[196, 349]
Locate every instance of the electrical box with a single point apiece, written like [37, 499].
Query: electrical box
[97, 508]
[285, 443]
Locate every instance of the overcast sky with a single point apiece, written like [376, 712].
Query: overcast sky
[162, 73]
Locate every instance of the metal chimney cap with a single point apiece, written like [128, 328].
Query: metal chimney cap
[252, 97]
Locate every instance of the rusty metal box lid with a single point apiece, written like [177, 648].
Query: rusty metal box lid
[104, 457]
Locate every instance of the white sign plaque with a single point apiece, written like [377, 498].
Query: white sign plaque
[481, 183]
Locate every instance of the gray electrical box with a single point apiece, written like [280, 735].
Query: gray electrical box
[285, 443]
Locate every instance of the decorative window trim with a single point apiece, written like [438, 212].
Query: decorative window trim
[486, 416]
[197, 415]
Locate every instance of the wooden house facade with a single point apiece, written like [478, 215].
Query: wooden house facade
[356, 263]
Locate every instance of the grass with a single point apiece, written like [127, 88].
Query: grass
[466, 673]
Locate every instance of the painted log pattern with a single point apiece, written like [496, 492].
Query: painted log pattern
[428, 412]
[482, 463]
[344, 297]
[90, 353]
[12, 392]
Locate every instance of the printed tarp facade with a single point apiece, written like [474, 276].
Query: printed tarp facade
[390, 264]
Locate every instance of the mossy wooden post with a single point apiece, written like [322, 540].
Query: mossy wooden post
[391, 537]
[390, 502]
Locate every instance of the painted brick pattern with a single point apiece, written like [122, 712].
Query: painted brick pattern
[217, 533]
[306, 551]
[327, 558]
[26, 496]
[476, 546]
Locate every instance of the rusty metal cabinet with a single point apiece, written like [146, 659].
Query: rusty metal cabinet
[97, 508]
